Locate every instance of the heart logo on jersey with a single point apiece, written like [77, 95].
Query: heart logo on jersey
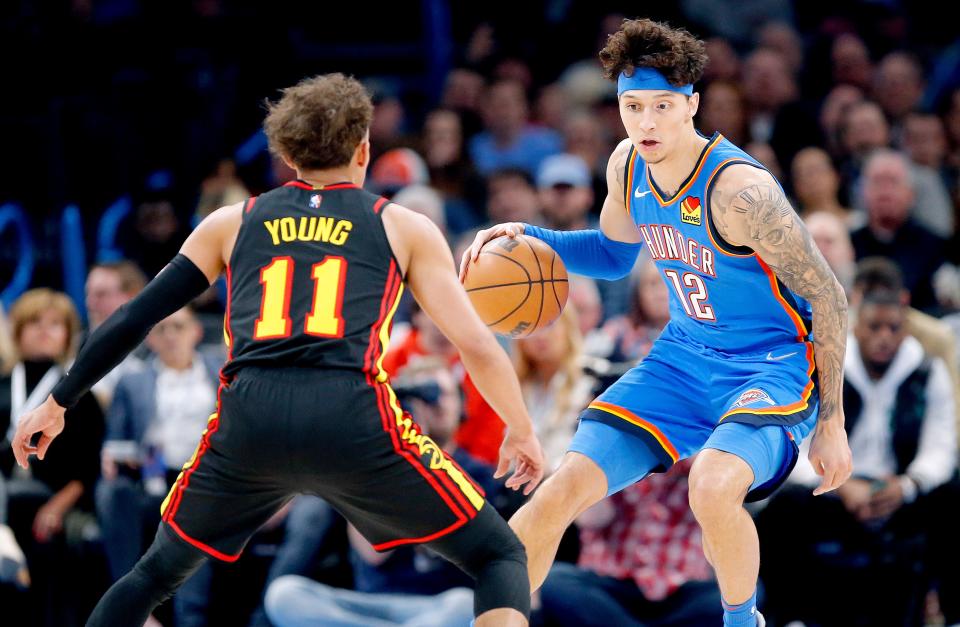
[690, 211]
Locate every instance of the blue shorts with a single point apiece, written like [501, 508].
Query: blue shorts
[684, 397]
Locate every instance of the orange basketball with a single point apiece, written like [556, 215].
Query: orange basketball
[517, 285]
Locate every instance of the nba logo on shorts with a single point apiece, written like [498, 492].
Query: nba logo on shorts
[690, 211]
[753, 396]
[315, 201]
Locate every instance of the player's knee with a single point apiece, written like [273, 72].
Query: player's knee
[717, 486]
[502, 579]
[286, 593]
[577, 484]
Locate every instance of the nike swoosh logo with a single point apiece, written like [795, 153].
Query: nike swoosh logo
[638, 194]
[770, 356]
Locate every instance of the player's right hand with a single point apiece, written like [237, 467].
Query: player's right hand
[46, 420]
[510, 229]
[525, 450]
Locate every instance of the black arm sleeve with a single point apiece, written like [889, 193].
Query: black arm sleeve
[176, 285]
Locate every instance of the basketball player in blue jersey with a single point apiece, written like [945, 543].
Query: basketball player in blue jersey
[751, 360]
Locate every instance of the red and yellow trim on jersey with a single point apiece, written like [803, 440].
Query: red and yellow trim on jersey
[690, 180]
[446, 478]
[792, 313]
[636, 420]
[784, 410]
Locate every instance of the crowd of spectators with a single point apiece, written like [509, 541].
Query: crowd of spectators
[860, 122]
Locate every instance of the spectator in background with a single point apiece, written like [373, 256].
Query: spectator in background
[223, 187]
[450, 171]
[512, 197]
[784, 38]
[934, 334]
[566, 195]
[830, 234]
[50, 505]
[463, 92]
[632, 335]
[776, 115]
[555, 388]
[765, 154]
[153, 426]
[816, 184]
[585, 137]
[641, 562]
[850, 62]
[424, 200]
[387, 124]
[552, 106]
[111, 284]
[925, 142]
[584, 298]
[723, 110]
[898, 88]
[892, 232]
[894, 518]
[723, 63]
[395, 169]
[866, 130]
[158, 233]
[407, 585]
[509, 140]
[833, 111]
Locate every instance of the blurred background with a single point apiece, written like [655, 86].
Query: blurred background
[127, 121]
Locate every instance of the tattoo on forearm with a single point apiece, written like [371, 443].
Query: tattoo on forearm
[764, 220]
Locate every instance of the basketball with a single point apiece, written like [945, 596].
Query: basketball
[517, 285]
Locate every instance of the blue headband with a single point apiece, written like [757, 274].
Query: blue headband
[649, 78]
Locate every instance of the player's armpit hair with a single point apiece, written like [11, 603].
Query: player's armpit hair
[176, 285]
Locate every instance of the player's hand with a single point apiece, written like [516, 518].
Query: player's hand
[47, 420]
[510, 229]
[48, 522]
[830, 454]
[525, 450]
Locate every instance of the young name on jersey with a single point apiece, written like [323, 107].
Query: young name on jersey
[309, 229]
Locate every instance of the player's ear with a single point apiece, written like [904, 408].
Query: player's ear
[289, 163]
[361, 155]
[693, 104]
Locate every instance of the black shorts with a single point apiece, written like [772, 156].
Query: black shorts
[341, 436]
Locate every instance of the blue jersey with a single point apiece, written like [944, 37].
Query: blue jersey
[721, 296]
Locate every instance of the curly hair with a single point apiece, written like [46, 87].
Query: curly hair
[677, 54]
[319, 122]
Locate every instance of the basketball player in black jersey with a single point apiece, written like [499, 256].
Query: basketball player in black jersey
[315, 270]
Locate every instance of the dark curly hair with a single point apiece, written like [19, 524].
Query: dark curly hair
[318, 122]
[677, 54]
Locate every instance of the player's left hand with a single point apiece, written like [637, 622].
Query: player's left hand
[830, 454]
[525, 450]
[47, 420]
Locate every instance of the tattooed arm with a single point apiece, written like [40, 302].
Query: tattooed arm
[749, 209]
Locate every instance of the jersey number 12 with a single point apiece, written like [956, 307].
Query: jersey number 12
[325, 318]
[694, 301]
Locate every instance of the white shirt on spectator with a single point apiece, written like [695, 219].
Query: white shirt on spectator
[871, 441]
[185, 400]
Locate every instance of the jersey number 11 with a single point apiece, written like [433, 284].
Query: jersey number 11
[325, 318]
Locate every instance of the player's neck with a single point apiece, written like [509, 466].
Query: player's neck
[321, 178]
[674, 170]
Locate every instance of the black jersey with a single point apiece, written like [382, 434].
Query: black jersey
[312, 281]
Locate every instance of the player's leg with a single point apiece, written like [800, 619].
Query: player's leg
[155, 578]
[738, 460]
[643, 423]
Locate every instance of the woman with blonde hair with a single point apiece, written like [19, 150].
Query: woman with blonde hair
[549, 365]
[46, 500]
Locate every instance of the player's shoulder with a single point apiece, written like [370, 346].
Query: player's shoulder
[738, 176]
